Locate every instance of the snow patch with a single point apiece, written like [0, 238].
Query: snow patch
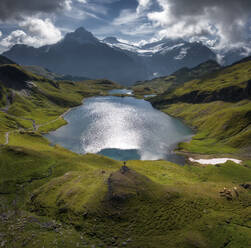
[159, 48]
[167, 49]
[183, 53]
[215, 161]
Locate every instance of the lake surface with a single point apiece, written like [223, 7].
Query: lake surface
[121, 92]
[123, 128]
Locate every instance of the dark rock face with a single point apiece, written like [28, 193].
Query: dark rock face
[13, 78]
[4, 60]
[190, 55]
[228, 94]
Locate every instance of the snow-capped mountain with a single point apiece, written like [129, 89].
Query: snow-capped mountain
[162, 46]
[80, 53]
[115, 43]
[165, 56]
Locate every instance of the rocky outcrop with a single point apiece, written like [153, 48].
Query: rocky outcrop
[246, 185]
[4, 60]
[14, 78]
[125, 184]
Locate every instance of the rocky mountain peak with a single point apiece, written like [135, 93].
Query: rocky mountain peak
[81, 35]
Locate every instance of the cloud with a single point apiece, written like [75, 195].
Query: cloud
[126, 16]
[134, 22]
[35, 32]
[84, 9]
[226, 19]
[15, 9]
[143, 5]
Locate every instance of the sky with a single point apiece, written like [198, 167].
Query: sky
[222, 24]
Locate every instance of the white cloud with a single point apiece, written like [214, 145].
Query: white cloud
[225, 20]
[143, 5]
[35, 32]
[43, 29]
[15, 37]
[134, 22]
[218, 24]
[126, 16]
[1, 34]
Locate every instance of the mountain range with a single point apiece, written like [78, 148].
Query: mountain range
[81, 54]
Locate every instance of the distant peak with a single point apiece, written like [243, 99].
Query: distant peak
[81, 35]
[80, 30]
[111, 40]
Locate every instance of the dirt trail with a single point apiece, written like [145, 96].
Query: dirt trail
[6, 138]
[50, 122]
[35, 126]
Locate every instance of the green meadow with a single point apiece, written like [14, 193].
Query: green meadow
[51, 197]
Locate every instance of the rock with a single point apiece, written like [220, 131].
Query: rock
[3, 243]
[124, 169]
[49, 225]
[227, 194]
[246, 185]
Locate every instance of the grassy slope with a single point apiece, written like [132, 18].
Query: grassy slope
[45, 101]
[163, 84]
[223, 127]
[51, 197]
[155, 86]
[165, 205]
[236, 75]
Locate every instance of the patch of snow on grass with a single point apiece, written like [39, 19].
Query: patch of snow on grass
[215, 161]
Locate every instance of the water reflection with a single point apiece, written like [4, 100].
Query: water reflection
[122, 128]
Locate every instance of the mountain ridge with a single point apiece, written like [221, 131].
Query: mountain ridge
[80, 53]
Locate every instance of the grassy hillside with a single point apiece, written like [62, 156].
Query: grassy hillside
[33, 98]
[163, 84]
[40, 71]
[54, 198]
[51, 197]
[216, 104]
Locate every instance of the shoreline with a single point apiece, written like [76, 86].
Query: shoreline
[199, 156]
[173, 147]
[188, 156]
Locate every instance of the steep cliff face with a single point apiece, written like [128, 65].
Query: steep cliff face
[14, 77]
[4, 60]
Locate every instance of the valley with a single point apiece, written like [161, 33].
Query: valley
[52, 197]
